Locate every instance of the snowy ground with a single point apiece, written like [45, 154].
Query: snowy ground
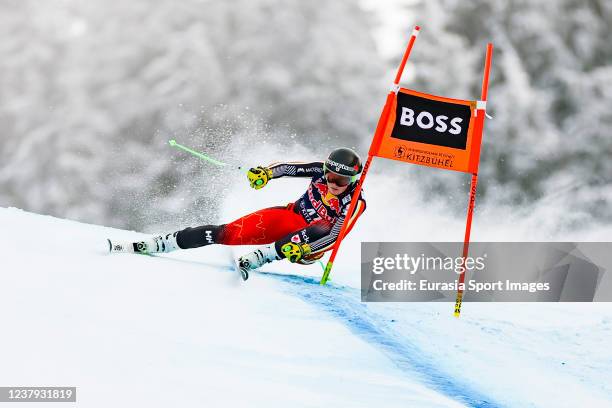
[182, 330]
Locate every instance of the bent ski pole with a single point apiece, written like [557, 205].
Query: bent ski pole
[374, 146]
[203, 156]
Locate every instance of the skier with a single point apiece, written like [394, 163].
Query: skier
[300, 232]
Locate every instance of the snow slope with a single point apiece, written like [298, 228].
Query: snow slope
[183, 330]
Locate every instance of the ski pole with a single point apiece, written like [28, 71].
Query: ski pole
[210, 159]
[202, 156]
[374, 146]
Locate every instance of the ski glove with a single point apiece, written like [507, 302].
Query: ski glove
[295, 252]
[259, 177]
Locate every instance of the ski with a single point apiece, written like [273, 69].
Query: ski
[235, 262]
[244, 272]
[127, 247]
[115, 247]
[120, 247]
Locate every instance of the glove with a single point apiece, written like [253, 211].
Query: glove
[295, 252]
[259, 177]
[310, 258]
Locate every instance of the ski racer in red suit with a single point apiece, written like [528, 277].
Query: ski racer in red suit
[300, 231]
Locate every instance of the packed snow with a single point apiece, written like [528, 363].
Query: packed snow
[182, 329]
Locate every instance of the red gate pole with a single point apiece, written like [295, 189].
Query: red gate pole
[479, 126]
[378, 134]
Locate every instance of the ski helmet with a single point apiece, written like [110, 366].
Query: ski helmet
[343, 161]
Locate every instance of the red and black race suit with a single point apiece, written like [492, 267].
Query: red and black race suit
[315, 218]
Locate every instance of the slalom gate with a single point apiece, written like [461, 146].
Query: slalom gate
[431, 131]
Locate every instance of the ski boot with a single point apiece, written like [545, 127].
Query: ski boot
[256, 259]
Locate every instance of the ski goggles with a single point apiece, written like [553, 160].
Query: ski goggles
[337, 179]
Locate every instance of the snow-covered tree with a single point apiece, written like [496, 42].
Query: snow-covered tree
[550, 92]
[90, 93]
